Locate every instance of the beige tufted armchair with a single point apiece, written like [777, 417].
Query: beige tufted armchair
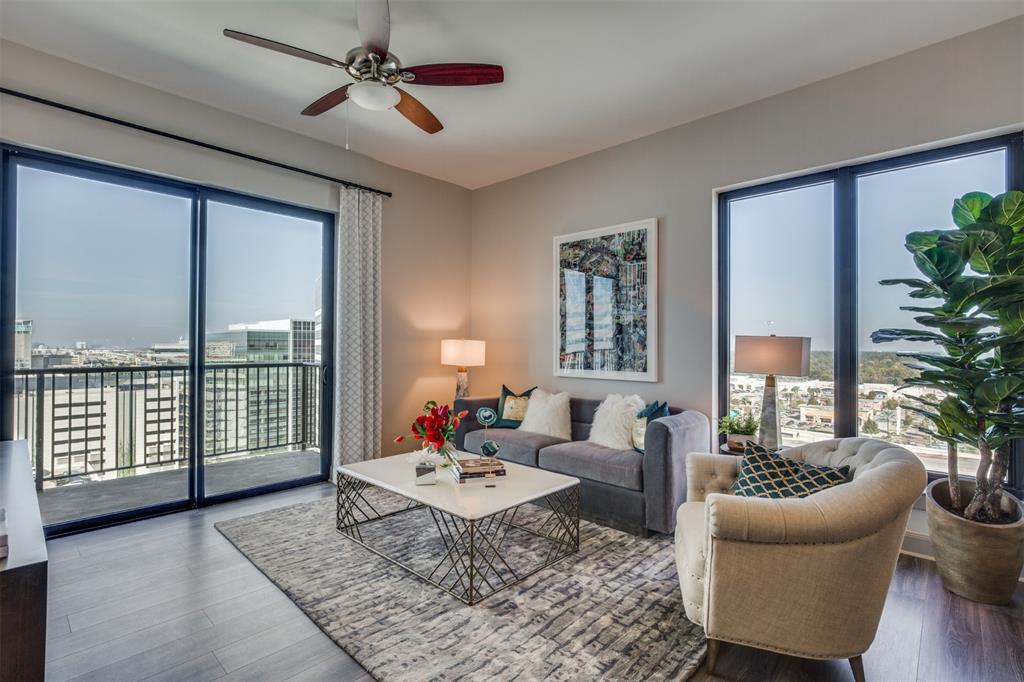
[806, 577]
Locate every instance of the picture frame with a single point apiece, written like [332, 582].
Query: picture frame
[605, 294]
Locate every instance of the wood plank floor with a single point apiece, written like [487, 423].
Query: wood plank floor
[170, 599]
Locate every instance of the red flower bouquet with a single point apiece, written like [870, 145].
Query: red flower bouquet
[436, 428]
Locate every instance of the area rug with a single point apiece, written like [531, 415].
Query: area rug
[613, 611]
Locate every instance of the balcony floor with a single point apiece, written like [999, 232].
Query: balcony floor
[94, 498]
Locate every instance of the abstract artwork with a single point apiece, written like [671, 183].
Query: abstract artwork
[606, 302]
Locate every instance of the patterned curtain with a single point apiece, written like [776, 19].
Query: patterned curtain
[357, 350]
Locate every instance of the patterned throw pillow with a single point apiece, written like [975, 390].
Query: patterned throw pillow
[653, 411]
[512, 407]
[763, 473]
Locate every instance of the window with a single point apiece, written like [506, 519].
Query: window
[803, 257]
[782, 241]
[884, 217]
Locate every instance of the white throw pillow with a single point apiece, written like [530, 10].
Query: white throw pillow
[548, 414]
[613, 421]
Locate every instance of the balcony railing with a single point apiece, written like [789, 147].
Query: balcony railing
[99, 421]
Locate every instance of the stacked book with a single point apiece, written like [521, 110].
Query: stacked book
[471, 469]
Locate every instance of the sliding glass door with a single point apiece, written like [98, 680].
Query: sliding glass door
[102, 285]
[263, 351]
[162, 343]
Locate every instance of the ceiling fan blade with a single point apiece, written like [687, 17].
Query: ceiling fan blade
[374, 20]
[328, 101]
[281, 47]
[411, 108]
[456, 74]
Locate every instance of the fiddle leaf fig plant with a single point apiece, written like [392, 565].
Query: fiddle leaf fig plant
[973, 276]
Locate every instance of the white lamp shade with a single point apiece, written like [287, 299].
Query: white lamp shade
[462, 352]
[788, 356]
[373, 95]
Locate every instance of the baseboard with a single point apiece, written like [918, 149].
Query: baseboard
[916, 541]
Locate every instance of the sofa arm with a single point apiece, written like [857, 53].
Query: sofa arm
[470, 423]
[706, 474]
[667, 442]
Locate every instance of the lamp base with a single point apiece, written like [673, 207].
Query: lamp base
[462, 383]
[768, 434]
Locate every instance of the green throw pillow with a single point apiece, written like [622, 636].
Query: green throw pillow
[512, 407]
[643, 417]
[764, 473]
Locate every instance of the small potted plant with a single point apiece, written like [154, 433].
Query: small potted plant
[973, 279]
[738, 429]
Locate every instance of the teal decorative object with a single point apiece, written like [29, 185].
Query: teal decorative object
[489, 448]
[486, 416]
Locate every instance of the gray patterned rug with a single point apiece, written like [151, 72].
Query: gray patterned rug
[613, 611]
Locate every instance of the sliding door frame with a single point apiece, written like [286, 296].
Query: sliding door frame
[327, 222]
[845, 270]
[13, 156]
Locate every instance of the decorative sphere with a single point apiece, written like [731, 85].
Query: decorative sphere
[489, 448]
[486, 416]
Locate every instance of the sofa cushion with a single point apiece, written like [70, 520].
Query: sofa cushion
[516, 446]
[691, 555]
[622, 468]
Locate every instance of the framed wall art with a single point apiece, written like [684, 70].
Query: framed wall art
[606, 302]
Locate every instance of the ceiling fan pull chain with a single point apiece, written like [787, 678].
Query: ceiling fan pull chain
[348, 106]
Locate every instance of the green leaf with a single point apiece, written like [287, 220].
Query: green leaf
[920, 288]
[955, 325]
[1011, 318]
[917, 242]
[994, 390]
[1006, 209]
[967, 208]
[939, 264]
[886, 335]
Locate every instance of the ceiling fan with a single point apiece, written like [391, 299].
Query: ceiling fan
[377, 71]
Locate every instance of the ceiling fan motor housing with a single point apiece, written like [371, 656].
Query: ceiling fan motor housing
[363, 65]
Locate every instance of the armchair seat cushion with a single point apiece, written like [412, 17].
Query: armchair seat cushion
[517, 446]
[621, 468]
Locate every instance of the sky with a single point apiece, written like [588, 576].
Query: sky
[109, 265]
[782, 258]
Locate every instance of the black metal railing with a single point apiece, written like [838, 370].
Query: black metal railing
[82, 421]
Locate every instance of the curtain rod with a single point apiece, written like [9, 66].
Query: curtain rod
[189, 140]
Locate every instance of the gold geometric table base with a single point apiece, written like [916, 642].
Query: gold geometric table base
[473, 565]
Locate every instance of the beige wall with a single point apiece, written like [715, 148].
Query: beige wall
[426, 223]
[960, 87]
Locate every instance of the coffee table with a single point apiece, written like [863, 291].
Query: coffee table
[473, 520]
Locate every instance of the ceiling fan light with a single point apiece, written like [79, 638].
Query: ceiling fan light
[373, 95]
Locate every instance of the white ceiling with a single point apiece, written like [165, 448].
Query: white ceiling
[579, 76]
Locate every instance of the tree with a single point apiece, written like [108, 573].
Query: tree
[979, 325]
[869, 426]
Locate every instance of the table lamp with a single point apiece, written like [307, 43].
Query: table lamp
[770, 355]
[462, 353]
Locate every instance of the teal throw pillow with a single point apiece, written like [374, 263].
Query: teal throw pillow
[763, 473]
[512, 407]
[653, 411]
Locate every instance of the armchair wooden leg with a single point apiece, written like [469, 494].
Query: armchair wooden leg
[713, 645]
[857, 665]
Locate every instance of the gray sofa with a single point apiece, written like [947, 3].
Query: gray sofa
[624, 489]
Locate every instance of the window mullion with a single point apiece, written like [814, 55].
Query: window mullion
[845, 293]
